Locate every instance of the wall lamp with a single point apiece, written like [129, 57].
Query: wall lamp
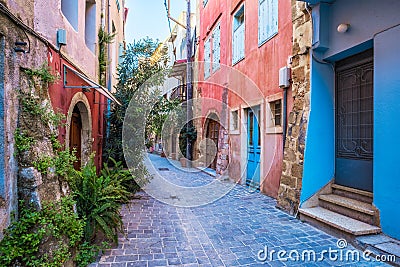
[342, 28]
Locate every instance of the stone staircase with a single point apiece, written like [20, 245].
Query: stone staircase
[346, 212]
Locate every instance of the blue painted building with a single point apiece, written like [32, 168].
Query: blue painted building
[352, 144]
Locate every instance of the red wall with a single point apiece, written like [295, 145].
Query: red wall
[261, 65]
[61, 100]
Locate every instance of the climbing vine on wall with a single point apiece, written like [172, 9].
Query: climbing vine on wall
[104, 39]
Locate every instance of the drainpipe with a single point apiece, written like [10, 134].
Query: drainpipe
[108, 47]
[103, 9]
[109, 78]
[189, 88]
[284, 120]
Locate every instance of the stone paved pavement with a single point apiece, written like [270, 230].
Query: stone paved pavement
[227, 232]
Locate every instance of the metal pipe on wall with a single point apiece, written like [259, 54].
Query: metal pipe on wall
[189, 89]
[284, 120]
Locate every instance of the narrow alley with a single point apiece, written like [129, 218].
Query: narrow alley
[235, 230]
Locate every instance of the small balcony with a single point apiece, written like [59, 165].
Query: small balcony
[179, 92]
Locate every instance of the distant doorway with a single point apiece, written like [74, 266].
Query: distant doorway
[79, 129]
[75, 136]
[253, 147]
[212, 133]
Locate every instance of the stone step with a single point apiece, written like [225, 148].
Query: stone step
[353, 193]
[337, 221]
[349, 207]
[349, 203]
[382, 246]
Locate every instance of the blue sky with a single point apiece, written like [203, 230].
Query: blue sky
[149, 18]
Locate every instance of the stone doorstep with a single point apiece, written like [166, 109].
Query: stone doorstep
[352, 190]
[349, 203]
[378, 252]
[381, 245]
[208, 171]
[339, 221]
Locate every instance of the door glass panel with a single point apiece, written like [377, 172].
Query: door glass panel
[251, 128]
[355, 112]
[258, 125]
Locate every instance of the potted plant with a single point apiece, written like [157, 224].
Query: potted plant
[187, 133]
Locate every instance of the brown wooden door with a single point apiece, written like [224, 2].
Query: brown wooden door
[212, 133]
[75, 137]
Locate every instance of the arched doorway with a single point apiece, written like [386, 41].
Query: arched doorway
[75, 136]
[79, 129]
[212, 133]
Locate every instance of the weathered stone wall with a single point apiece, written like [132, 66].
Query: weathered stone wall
[35, 185]
[292, 171]
[14, 80]
[223, 139]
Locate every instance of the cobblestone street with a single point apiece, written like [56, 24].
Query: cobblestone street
[228, 232]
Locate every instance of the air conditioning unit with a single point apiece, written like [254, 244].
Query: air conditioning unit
[284, 77]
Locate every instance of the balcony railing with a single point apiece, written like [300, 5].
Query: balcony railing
[179, 92]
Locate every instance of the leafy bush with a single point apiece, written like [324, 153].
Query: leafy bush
[25, 238]
[99, 198]
[64, 162]
[43, 164]
[23, 142]
[34, 107]
[188, 132]
[118, 172]
[88, 252]
[44, 73]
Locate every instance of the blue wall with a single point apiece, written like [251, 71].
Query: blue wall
[365, 20]
[371, 25]
[2, 158]
[387, 130]
[319, 155]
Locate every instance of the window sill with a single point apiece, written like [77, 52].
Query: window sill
[266, 40]
[216, 69]
[236, 62]
[234, 132]
[274, 130]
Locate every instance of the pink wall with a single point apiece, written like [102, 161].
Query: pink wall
[49, 18]
[61, 100]
[261, 65]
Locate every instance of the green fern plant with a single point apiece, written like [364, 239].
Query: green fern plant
[117, 172]
[99, 199]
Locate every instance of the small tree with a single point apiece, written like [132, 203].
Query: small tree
[159, 115]
[143, 67]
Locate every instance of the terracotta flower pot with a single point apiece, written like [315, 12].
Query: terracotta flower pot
[183, 162]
